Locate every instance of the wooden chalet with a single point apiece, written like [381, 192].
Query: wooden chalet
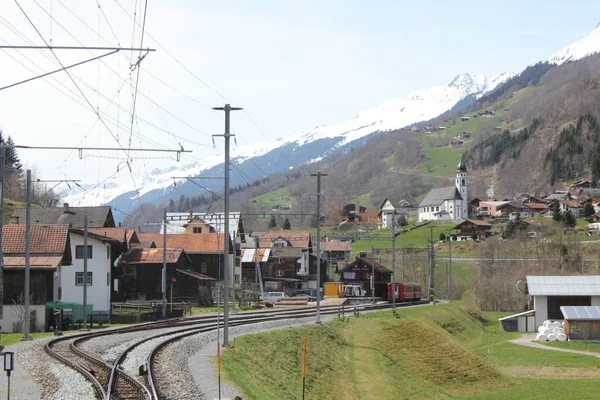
[359, 272]
[472, 226]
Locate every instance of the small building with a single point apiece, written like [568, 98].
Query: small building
[521, 322]
[464, 119]
[582, 323]
[98, 216]
[471, 227]
[359, 272]
[550, 293]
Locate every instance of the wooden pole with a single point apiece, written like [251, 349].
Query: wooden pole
[304, 370]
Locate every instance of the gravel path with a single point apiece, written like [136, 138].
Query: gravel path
[526, 340]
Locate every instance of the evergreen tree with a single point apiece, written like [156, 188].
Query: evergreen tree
[442, 236]
[286, 224]
[187, 204]
[272, 222]
[181, 206]
[403, 221]
[171, 206]
[12, 158]
[569, 219]
[556, 213]
[588, 210]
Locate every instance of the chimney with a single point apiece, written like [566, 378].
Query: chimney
[65, 208]
[119, 225]
[14, 219]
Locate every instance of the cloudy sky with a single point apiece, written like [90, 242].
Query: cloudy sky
[291, 64]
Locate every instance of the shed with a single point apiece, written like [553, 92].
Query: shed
[581, 322]
[550, 293]
[522, 322]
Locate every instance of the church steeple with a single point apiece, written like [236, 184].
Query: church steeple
[462, 186]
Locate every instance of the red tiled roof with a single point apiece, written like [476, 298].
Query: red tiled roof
[335, 246]
[189, 242]
[140, 255]
[48, 239]
[537, 206]
[115, 233]
[41, 262]
[299, 239]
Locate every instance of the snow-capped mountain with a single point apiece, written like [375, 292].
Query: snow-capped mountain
[313, 145]
[589, 45]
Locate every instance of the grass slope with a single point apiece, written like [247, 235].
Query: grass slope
[384, 358]
[416, 238]
[280, 196]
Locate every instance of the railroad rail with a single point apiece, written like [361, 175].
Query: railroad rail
[111, 382]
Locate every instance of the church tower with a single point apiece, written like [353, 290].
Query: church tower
[462, 186]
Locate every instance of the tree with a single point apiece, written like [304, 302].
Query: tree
[402, 221]
[12, 158]
[569, 219]
[442, 236]
[272, 222]
[557, 215]
[588, 210]
[286, 224]
[474, 236]
[171, 206]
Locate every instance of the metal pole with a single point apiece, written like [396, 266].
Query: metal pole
[450, 261]
[402, 270]
[233, 310]
[164, 268]
[27, 251]
[227, 135]
[394, 262]
[432, 263]
[85, 268]
[258, 273]
[318, 175]
[2, 156]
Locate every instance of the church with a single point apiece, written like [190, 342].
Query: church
[449, 203]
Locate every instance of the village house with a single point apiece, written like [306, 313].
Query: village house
[402, 208]
[490, 208]
[355, 213]
[360, 271]
[50, 256]
[336, 255]
[470, 227]
[574, 206]
[449, 203]
[98, 216]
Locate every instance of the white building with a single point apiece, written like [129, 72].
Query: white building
[551, 292]
[98, 272]
[449, 203]
[403, 208]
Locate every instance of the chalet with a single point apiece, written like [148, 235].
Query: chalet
[536, 209]
[205, 251]
[177, 222]
[557, 196]
[513, 209]
[249, 257]
[356, 213]
[464, 119]
[471, 227]
[360, 271]
[581, 184]
[50, 254]
[98, 217]
[574, 206]
[490, 208]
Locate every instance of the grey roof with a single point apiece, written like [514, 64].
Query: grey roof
[587, 285]
[557, 196]
[580, 312]
[437, 196]
[98, 217]
[217, 220]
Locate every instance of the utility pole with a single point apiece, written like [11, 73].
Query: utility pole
[318, 175]
[227, 135]
[432, 263]
[257, 273]
[394, 262]
[164, 268]
[27, 252]
[2, 157]
[450, 261]
[85, 268]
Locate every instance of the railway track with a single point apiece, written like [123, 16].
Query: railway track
[111, 382]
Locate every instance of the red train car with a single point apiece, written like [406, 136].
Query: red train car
[405, 291]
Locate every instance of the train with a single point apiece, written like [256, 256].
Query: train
[405, 291]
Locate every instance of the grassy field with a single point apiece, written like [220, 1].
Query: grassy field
[416, 238]
[9, 207]
[440, 161]
[280, 196]
[426, 352]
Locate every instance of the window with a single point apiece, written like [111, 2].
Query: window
[197, 230]
[203, 267]
[79, 279]
[279, 273]
[79, 252]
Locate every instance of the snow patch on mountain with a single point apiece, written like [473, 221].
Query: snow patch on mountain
[589, 45]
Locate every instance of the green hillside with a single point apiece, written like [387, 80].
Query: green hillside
[424, 352]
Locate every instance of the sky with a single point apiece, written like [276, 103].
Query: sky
[291, 65]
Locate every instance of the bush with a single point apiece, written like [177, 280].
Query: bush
[442, 237]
